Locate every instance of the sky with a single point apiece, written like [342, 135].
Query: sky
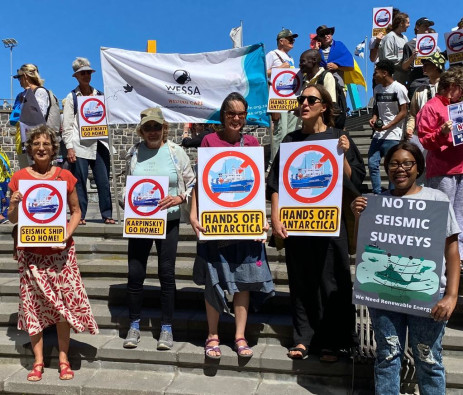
[52, 33]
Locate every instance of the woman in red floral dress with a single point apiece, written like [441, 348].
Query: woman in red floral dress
[51, 289]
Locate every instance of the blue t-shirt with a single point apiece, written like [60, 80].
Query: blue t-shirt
[158, 162]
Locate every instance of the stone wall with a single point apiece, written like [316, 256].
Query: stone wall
[124, 137]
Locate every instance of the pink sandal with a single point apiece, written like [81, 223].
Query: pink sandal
[65, 371]
[239, 349]
[216, 349]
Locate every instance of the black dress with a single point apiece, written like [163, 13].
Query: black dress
[318, 267]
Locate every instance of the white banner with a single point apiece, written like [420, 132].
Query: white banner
[188, 87]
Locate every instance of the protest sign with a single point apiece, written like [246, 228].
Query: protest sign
[92, 117]
[286, 85]
[231, 193]
[382, 17]
[454, 44]
[456, 115]
[143, 218]
[42, 213]
[400, 249]
[426, 45]
[187, 87]
[310, 187]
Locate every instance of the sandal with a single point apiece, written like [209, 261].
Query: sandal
[216, 349]
[239, 349]
[82, 221]
[328, 355]
[35, 374]
[304, 352]
[63, 372]
[109, 221]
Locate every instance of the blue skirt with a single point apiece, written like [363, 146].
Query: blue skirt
[230, 267]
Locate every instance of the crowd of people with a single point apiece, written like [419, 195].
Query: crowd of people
[411, 130]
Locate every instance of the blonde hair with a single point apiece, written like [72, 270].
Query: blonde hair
[32, 72]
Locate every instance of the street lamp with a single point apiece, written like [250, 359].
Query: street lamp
[10, 43]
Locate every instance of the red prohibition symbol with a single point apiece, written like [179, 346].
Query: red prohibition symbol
[247, 162]
[458, 41]
[382, 23]
[293, 90]
[53, 192]
[99, 104]
[326, 156]
[426, 52]
[134, 208]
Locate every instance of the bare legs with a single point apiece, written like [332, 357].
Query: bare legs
[64, 335]
[241, 305]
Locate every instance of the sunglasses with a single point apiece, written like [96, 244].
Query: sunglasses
[232, 114]
[311, 100]
[152, 127]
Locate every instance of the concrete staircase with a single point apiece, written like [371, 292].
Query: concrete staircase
[102, 366]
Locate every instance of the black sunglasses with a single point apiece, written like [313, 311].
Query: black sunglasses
[310, 99]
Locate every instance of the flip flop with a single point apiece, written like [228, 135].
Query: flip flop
[216, 349]
[82, 222]
[304, 352]
[109, 221]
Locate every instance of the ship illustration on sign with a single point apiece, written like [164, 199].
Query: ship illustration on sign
[287, 85]
[426, 46]
[310, 176]
[42, 205]
[456, 42]
[146, 199]
[93, 111]
[233, 181]
[396, 277]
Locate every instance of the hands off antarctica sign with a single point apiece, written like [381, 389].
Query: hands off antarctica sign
[426, 45]
[456, 115]
[143, 218]
[310, 188]
[285, 85]
[400, 248]
[42, 213]
[92, 117]
[231, 193]
[454, 44]
[382, 17]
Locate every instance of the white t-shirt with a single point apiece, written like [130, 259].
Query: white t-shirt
[389, 99]
[274, 59]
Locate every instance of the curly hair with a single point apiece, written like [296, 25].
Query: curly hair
[42, 130]
[398, 20]
[453, 76]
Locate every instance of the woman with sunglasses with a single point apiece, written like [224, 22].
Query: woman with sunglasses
[318, 267]
[236, 267]
[404, 163]
[84, 153]
[157, 156]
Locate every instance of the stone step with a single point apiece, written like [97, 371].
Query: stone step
[118, 268]
[102, 366]
[92, 248]
[113, 291]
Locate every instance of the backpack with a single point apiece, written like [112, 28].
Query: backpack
[74, 99]
[341, 103]
[53, 114]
